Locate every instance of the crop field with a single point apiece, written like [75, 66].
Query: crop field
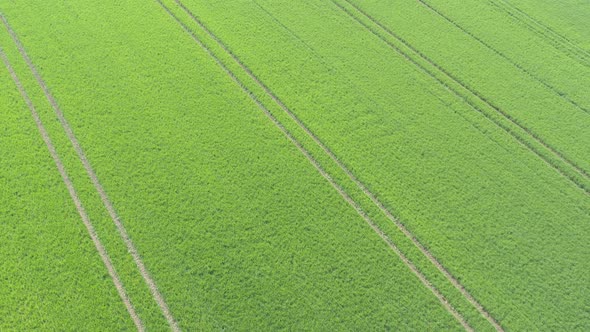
[310, 165]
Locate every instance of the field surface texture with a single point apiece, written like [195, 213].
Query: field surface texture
[313, 165]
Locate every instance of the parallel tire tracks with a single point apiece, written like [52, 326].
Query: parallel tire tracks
[505, 57]
[92, 174]
[504, 115]
[448, 306]
[453, 280]
[560, 42]
[75, 198]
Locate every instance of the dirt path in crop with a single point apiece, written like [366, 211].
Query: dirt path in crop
[324, 174]
[74, 195]
[98, 186]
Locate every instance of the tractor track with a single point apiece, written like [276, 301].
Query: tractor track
[98, 186]
[505, 57]
[453, 280]
[321, 170]
[560, 42]
[511, 121]
[75, 198]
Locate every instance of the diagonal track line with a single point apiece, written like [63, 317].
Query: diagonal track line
[561, 94]
[91, 173]
[453, 280]
[320, 169]
[561, 43]
[75, 198]
[558, 155]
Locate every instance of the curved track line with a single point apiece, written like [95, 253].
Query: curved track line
[74, 195]
[320, 169]
[505, 57]
[499, 111]
[90, 171]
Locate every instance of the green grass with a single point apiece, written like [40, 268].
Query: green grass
[431, 165]
[568, 19]
[239, 230]
[526, 100]
[531, 53]
[52, 276]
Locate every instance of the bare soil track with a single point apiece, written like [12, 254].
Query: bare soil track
[92, 174]
[74, 195]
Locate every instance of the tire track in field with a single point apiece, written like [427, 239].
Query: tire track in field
[291, 33]
[505, 57]
[560, 42]
[98, 186]
[556, 154]
[75, 198]
[448, 306]
[453, 280]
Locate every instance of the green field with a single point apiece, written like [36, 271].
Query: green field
[355, 165]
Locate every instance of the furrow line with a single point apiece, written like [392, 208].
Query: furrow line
[98, 186]
[505, 57]
[559, 42]
[558, 155]
[76, 199]
[448, 306]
